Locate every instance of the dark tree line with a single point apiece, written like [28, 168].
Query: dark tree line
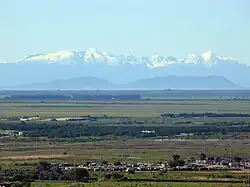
[76, 130]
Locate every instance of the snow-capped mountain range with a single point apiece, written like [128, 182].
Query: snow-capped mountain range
[119, 68]
[92, 55]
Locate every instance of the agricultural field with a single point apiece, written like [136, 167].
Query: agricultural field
[131, 151]
[138, 109]
[134, 131]
[123, 114]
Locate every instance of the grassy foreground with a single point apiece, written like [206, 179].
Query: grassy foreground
[143, 184]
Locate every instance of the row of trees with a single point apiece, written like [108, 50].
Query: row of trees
[72, 130]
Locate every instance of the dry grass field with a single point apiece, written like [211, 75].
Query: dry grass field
[120, 108]
[140, 150]
[123, 148]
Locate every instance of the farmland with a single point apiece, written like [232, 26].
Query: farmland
[119, 108]
[129, 131]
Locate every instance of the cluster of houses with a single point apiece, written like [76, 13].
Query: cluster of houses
[210, 163]
[6, 134]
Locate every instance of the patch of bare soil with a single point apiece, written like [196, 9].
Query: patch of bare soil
[27, 157]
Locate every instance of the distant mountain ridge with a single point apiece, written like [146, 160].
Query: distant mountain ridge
[120, 69]
[156, 83]
[184, 83]
[92, 55]
[85, 83]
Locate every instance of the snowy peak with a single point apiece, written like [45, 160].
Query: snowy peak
[120, 68]
[209, 57]
[52, 57]
[93, 56]
[90, 55]
[192, 59]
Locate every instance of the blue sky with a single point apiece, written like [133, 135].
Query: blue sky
[140, 27]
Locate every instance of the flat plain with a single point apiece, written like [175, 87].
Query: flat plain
[120, 108]
[115, 149]
[124, 114]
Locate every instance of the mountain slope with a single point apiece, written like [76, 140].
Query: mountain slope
[119, 68]
[156, 83]
[184, 82]
[82, 83]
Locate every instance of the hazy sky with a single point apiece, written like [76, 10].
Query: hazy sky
[140, 27]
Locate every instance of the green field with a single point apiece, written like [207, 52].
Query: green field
[126, 148]
[144, 149]
[120, 108]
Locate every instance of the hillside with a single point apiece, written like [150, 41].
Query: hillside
[184, 82]
[156, 83]
[82, 83]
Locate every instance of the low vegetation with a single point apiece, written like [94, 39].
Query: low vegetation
[40, 135]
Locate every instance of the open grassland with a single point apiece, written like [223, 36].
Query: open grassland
[122, 148]
[144, 150]
[126, 148]
[120, 108]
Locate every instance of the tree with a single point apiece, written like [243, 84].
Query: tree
[192, 159]
[176, 157]
[237, 159]
[104, 162]
[203, 156]
[43, 166]
[80, 174]
[176, 161]
[117, 163]
[47, 171]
